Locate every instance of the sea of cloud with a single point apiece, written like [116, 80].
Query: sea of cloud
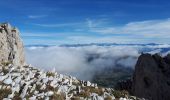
[84, 61]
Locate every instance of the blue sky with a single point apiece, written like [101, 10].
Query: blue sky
[54, 22]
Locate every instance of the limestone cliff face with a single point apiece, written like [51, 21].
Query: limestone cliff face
[151, 79]
[11, 46]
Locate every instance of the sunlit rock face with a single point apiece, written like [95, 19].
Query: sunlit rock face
[11, 46]
[152, 77]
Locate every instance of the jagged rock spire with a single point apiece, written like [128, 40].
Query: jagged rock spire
[152, 77]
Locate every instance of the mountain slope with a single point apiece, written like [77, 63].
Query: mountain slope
[29, 83]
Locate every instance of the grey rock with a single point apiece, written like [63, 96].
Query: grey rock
[11, 45]
[124, 85]
[151, 78]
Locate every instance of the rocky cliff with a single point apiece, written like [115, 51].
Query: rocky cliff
[151, 79]
[11, 46]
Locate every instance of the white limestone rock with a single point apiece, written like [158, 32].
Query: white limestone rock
[8, 80]
[88, 83]
[11, 46]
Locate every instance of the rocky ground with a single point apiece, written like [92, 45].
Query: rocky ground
[29, 83]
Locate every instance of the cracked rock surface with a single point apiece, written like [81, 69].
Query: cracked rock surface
[11, 46]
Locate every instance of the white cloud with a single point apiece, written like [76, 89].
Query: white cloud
[81, 62]
[38, 41]
[30, 34]
[59, 25]
[36, 16]
[150, 31]
[97, 23]
[147, 29]
[112, 39]
[41, 34]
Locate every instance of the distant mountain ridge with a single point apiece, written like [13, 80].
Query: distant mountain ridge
[96, 44]
[106, 44]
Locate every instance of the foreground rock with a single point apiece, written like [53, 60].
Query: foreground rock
[28, 83]
[152, 77]
[11, 46]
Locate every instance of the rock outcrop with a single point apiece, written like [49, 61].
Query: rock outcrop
[151, 78]
[11, 46]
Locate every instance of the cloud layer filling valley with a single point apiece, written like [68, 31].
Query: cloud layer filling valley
[82, 62]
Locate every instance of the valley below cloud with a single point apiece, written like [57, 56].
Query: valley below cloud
[84, 61]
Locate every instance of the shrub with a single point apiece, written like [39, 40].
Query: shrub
[119, 94]
[108, 98]
[4, 93]
[6, 63]
[50, 74]
[84, 94]
[98, 91]
[75, 98]
[57, 97]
